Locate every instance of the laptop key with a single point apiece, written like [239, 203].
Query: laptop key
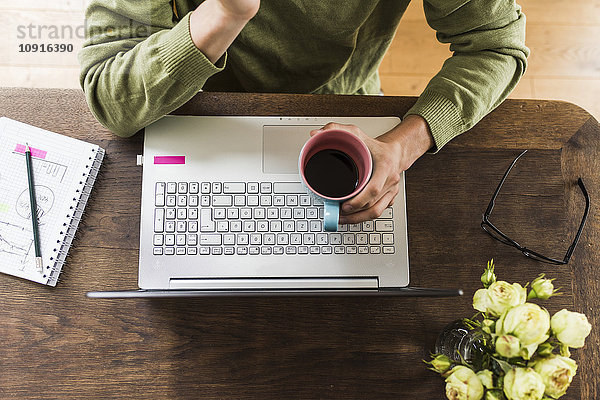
[321, 238]
[384, 226]
[242, 238]
[253, 187]
[157, 251]
[222, 201]
[335, 238]
[234, 187]
[235, 226]
[194, 187]
[158, 240]
[171, 200]
[205, 187]
[170, 226]
[290, 250]
[375, 249]
[388, 250]
[159, 220]
[288, 188]
[387, 238]
[255, 238]
[253, 250]
[229, 239]
[210, 240]
[171, 187]
[266, 187]
[374, 238]
[308, 238]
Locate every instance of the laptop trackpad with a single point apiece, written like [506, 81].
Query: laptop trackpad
[282, 145]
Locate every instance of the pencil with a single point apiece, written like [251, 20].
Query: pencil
[33, 206]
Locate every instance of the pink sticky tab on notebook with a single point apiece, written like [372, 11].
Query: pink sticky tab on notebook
[21, 148]
[169, 159]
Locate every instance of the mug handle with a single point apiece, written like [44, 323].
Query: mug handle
[331, 216]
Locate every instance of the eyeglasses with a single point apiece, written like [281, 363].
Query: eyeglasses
[500, 236]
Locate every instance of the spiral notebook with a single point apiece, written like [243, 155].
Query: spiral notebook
[64, 172]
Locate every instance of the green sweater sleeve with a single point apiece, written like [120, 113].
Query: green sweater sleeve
[138, 63]
[487, 39]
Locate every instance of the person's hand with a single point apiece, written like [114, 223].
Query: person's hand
[393, 153]
[215, 24]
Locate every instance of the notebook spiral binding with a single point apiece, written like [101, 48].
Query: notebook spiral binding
[72, 220]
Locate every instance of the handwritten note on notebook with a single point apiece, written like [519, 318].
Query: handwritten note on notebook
[64, 171]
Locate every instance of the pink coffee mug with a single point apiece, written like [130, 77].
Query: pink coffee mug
[348, 143]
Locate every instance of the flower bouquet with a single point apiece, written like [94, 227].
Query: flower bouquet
[523, 352]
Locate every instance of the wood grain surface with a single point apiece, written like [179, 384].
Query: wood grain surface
[57, 344]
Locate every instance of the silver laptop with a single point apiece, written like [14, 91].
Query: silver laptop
[224, 213]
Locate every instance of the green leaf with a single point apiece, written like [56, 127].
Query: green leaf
[503, 364]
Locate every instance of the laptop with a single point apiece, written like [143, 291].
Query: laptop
[224, 213]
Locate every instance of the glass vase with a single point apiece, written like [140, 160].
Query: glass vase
[461, 343]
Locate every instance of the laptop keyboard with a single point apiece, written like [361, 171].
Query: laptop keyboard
[266, 218]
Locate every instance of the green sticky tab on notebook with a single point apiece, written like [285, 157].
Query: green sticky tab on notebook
[4, 208]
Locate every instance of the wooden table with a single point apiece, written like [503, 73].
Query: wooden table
[56, 343]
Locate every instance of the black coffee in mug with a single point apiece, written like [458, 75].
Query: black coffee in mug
[331, 173]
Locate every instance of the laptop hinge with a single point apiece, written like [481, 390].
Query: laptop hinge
[274, 283]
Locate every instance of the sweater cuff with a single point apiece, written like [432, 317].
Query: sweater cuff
[442, 116]
[183, 60]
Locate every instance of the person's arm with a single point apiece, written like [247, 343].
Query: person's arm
[138, 65]
[490, 56]
[487, 39]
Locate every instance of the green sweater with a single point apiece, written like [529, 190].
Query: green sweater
[139, 62]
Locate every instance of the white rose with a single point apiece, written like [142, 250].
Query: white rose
[527, 322]
[499, 297]
[557, 372]
[463, 384]
[541, 288]
[508, 346]
[486, 377]
[570, 328]
[523, 384]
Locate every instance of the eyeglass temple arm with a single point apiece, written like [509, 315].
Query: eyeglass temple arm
[490, 207]
[583, 219]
